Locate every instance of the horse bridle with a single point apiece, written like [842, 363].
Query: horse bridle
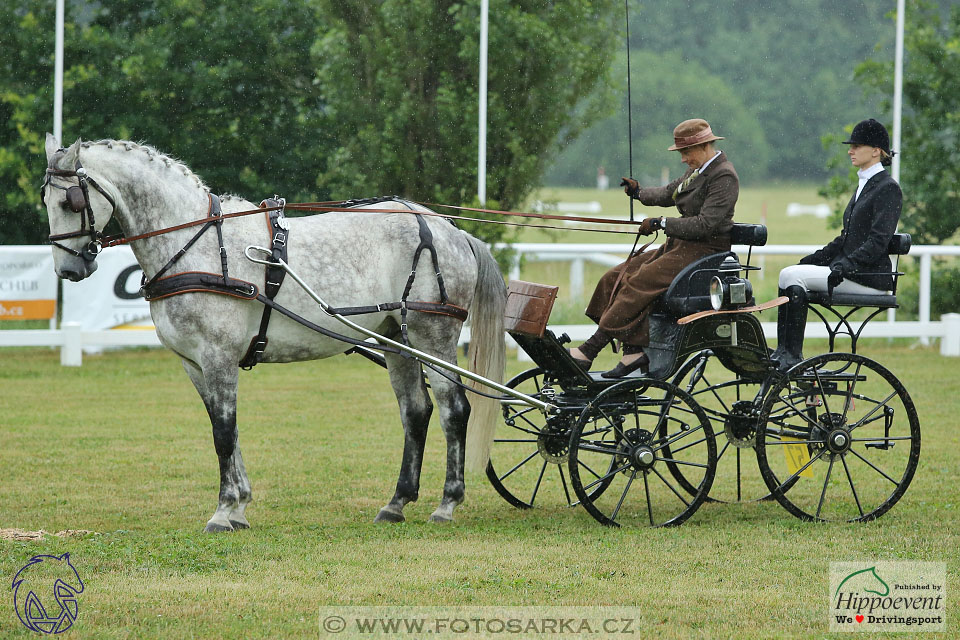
[78, 199]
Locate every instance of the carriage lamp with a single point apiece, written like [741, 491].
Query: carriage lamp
[728, 289]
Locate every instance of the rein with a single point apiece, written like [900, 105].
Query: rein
[332, 207]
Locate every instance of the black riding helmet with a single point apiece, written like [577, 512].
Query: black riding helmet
[870, 133]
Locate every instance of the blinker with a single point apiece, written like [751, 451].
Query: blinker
[76, 199]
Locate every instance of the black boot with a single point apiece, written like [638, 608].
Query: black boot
[791, 321]
[592, 348]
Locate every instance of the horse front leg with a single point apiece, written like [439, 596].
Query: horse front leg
[217, 387]
[415, 410]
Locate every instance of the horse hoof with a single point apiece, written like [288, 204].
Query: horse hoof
[237, 525]
[389, 516]
[213, 527]
[440, 519]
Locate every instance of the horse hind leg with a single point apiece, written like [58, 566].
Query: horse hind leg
[218, 390]
[454, 414]
[415, 410]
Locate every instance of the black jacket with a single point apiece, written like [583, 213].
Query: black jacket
[860, 251]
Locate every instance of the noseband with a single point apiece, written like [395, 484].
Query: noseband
[78, 199]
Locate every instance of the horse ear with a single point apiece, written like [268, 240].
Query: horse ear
[52, 145]
[71, 157]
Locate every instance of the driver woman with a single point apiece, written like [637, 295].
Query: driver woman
[705, 196]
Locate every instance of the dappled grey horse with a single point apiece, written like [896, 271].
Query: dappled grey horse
[350, 258]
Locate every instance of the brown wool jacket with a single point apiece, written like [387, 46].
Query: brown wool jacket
[705, 205]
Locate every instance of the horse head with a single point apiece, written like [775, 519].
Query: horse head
[79, 205]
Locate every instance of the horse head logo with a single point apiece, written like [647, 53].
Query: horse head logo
[39, 577]
[866, 580]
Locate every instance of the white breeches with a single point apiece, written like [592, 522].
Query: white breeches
[814, 278]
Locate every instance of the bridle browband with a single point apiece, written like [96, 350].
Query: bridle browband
[78, 199]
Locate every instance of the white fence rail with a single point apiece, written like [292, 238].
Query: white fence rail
[72, 338]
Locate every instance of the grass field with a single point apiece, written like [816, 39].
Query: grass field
[121, 447]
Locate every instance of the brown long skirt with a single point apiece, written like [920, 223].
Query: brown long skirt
[623, 314]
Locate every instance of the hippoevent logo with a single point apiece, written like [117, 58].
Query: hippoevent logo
[45, 594]
[888, 596]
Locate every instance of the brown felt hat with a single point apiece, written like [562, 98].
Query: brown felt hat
[690, 133]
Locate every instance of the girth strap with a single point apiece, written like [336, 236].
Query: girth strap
[279, 230]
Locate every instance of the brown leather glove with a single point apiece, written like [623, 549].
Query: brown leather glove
[648, 226]
[630, 187]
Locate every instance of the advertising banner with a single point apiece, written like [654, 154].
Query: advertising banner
[28, 285]
[110, 297]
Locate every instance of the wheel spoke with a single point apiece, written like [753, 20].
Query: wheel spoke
[726, 445]
[678, 436]
[523, 462]
[826, 481]
[874, 467]
[669, 486]
[863, 420]
[692, 444]
[536, 487]
[797, 473]
[856, 498]
[610, 474]
[623, 495]
[506, 440]
[563, 481]
[646, 489]
[853, 386]
[686, 462]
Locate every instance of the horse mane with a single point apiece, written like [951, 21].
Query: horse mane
[152, 154]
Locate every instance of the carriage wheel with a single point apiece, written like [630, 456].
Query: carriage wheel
[633, 430]
[731, 405]
[845, 432]
[528, 458]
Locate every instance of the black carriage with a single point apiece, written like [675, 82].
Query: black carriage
[835, 438]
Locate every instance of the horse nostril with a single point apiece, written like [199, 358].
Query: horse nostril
[71, 275]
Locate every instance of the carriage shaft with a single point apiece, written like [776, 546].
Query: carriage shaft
[416, 353]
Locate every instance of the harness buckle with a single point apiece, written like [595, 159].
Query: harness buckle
[279, 239]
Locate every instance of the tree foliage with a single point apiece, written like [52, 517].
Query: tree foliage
[783, 67]
[313, 100]
[665, 90]
[403, 76]
[930, 139]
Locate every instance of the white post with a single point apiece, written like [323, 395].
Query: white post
[58, 77]
[950, 342]
[898, 90]
[897, 115]
[576, 278]
[71, 351]
[924, 294]
[482, 143]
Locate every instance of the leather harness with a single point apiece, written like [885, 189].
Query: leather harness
[163, 286]
[279, 230]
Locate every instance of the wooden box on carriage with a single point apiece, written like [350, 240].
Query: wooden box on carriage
[528, 307]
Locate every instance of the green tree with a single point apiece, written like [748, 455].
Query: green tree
[930, 139]
[930, 142]
[665, 91]
[230, 88]
[402, 78]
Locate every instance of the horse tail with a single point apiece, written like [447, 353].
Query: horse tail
[486, 355]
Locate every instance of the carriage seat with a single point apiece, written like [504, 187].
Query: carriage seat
[690, 290]
[899, 246]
